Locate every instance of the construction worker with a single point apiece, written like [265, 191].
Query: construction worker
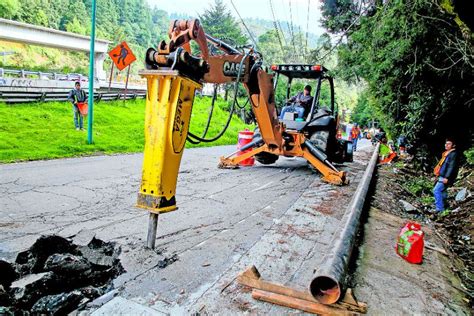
[76, 96]
[446, 172]
[402, 144]
[299, 103]
[355, 132]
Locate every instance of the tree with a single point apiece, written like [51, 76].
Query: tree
[9, 8]
[421, 80]
[218, 22]
[270, 48]
[363, 113]
[161, 23]
[75, 26]
[338, 15]
[76, 10]
[56, 12]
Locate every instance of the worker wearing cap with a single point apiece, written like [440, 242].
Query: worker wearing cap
[299, 103]
[446, 172]
[75, 96]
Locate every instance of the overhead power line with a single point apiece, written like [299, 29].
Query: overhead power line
[300, 33]
[245, 25]
[281, 30]
[276, 27]
[307, 28]
[292, 33]
[344, 33]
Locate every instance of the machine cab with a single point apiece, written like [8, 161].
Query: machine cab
[321, 111]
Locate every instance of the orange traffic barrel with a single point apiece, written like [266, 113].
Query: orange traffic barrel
[245, 137]
[83, 108]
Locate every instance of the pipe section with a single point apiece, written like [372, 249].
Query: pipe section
[327, 285]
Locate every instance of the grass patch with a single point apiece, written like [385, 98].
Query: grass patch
[46, 130]
[418, 186]
[470, 156]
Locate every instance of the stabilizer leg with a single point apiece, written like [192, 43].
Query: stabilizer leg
[330, 175]
[232, 163]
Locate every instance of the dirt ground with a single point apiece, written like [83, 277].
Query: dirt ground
[386, 282]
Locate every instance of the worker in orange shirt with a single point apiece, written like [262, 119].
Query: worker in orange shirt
[355, 133]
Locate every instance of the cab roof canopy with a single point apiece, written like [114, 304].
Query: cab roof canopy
[300, 71]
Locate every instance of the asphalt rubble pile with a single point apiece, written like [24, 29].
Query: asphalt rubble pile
[55, 276]
[456, 229]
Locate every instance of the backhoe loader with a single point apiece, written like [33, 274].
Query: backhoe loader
[173, 75]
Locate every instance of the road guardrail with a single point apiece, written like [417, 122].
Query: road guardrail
[26, 97]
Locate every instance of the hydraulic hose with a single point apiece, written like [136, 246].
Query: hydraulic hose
[209, 117]
[191, 137]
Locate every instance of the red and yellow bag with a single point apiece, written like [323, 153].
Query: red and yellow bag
[410, 244]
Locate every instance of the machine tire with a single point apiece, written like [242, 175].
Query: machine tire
[348, 152]
[320, 140]
[264, 158]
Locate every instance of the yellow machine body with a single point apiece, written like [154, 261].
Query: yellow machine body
[169, 104]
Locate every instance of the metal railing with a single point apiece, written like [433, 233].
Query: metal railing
[42, 75]
[12, 97]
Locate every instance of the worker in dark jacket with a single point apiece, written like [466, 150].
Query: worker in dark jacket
[299, 103]
[446, 172]
[75, 96]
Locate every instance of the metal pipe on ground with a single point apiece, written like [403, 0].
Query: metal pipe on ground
[327, 285]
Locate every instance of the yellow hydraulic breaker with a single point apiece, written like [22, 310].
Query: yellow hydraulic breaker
[169, 104]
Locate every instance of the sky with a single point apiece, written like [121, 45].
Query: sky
[253, 9]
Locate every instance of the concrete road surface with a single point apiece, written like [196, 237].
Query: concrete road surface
[279, 218]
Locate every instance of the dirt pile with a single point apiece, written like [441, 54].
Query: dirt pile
[404, 190]
[55, 276]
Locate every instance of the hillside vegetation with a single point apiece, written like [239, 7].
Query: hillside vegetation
[417, 59]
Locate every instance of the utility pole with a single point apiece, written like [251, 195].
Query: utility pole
[91, 75]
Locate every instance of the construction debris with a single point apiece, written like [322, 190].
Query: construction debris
[167, 261]
[461, 195]
[407, 206]
[55, 276]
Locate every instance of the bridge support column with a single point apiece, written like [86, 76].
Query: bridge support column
[100, 73]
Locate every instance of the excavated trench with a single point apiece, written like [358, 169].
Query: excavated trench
[55, 276]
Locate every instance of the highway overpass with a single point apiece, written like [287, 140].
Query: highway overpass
[20, 32]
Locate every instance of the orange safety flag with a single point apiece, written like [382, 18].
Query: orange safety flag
[437, 169]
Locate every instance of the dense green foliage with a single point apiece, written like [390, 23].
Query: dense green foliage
[219, 23]
[417, 62]
[364, 111]
[46, 130]
[470, 156]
